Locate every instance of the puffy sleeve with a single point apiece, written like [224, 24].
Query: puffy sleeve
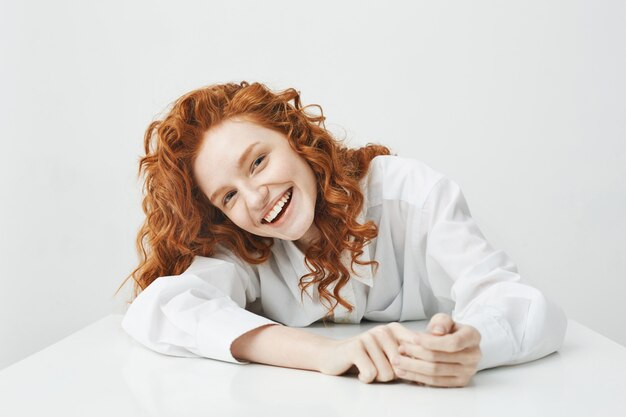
[517, 322]
[198, 313]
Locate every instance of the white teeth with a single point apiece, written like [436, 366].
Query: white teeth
[278, 207]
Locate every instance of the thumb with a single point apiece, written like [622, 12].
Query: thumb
[440, 324]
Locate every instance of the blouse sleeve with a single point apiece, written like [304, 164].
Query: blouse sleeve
[517, 322]
[198, 313]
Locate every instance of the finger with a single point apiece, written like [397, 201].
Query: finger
[461, 339]
[388, 342]
[384, 372]
[440, 324]
[430, 368]
[468, 356]
[367, 370]
[401, 333]
[435, 381]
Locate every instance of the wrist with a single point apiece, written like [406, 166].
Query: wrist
[324, 348]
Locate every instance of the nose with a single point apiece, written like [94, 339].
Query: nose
[257, 198]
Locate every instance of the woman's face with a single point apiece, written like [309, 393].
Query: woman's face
[246, 169]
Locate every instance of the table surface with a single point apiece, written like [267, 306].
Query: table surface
[101, 371]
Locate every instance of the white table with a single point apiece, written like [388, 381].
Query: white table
[100, 371]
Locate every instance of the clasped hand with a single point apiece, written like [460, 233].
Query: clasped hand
[446, 355]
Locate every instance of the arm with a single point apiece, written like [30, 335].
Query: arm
[369, 353]
[517, 323]
[280, 346]
[200, 313]
[498, 319]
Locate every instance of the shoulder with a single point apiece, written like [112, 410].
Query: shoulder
[393, 177]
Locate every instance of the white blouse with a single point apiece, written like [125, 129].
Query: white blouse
[432, 258]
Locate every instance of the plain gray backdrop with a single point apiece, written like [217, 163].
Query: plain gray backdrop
[521, 102]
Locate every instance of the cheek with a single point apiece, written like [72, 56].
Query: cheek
[283, 169]
[307, 175]
[240, 216]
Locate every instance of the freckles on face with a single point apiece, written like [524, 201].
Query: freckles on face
[253, 166]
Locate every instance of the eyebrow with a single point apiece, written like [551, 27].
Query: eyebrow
[244, 156]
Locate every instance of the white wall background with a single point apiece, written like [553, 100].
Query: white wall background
[521, 102]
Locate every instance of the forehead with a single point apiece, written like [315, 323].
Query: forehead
[223, 145]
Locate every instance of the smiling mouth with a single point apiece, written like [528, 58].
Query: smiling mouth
[282, 210]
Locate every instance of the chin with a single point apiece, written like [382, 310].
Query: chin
[304, 231]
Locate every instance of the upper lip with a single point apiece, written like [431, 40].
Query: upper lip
[273, 204]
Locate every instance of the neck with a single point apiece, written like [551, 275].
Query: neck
[305, 241]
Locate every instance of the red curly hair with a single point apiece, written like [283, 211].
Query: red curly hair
[181, 222]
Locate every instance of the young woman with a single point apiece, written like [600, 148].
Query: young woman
[258, 221]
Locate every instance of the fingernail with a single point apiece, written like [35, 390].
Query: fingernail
[399, 372]
[416, 340]
[395, 361]
[439, 329]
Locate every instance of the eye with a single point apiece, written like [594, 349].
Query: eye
[226, 198]
[259, 159]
